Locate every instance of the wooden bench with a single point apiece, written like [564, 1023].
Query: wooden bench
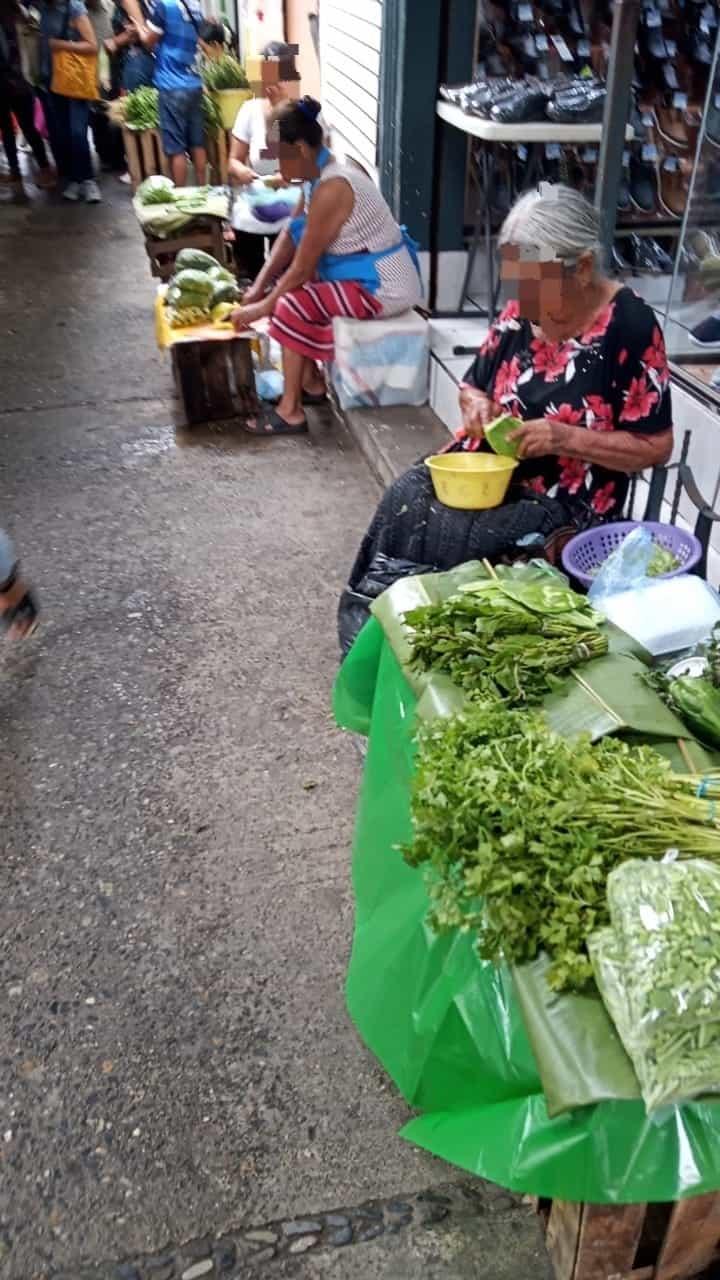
[632, 1241]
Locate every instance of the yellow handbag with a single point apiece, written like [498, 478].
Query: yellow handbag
[74, 75]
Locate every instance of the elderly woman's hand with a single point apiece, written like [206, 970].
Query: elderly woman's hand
[477, 410]
[540, 437]
[244, 316]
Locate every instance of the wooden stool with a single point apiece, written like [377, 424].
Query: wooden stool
[215, 378]
[205, 233]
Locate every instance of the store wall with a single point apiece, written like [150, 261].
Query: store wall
[350, 44]
[300, 16]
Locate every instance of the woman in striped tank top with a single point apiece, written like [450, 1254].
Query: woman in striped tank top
[343, 255]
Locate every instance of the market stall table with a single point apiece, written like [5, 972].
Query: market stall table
[632, 1195]
[488, 135]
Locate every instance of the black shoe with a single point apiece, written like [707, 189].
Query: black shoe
[643, 187]
[707, 333]
[618, 262]
[479, 98]
[578, 106]
[525, 104]
[648, 255]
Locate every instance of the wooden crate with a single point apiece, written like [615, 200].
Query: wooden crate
[205, 234]
[215, 379]
[144, 154]
[633, 1241]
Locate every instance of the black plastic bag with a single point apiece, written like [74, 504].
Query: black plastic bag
[354, 607]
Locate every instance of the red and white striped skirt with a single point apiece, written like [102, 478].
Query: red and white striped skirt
[302, 320]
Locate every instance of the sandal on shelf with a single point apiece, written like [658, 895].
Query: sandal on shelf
[271, 424]
[18, 608]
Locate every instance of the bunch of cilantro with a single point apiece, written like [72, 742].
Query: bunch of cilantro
[518, 830]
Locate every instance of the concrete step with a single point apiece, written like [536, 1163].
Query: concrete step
[392, 439]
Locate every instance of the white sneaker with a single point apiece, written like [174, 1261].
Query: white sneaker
[92, 192]
[72, 191]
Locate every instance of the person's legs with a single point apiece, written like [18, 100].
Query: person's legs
[172, 131]
[7, 132]
[58, 127]
[23, 104]
[179, 168]
[199, 159]
[290, 406]
[302, 324]
[79, 120]
[195, 127]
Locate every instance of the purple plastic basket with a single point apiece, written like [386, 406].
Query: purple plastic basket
[587, 551]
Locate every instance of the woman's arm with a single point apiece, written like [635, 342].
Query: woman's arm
[617, 450]
[238, 166]
[87, 42]
[330, 208]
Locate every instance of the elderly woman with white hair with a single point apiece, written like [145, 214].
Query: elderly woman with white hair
[580, 359]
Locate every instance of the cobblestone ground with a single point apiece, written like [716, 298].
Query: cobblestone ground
[181, 1092]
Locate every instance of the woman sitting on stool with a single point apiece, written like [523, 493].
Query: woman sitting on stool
[580, 359]
[344, 255]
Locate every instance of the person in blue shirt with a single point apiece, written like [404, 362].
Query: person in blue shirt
[173, 30]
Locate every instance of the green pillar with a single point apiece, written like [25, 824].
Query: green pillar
[425, 43]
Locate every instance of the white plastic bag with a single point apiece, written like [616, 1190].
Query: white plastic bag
[381, 362]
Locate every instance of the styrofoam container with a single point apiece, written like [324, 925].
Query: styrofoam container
[666, 616]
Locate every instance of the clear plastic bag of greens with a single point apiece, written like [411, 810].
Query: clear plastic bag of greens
[658, 971]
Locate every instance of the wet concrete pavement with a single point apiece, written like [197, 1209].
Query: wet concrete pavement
[176, 1060]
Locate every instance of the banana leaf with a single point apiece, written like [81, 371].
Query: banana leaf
[609, 695]
[580, 1057]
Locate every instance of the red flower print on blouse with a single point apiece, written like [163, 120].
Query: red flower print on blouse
[536, 485]
[549, 358]
[654, 356]
[599, 325]
[639, 400]
[599, 414]
[565, 413]
[572, 476]
[511, 311]
[603, 500]
[506, 378]
[623, 356]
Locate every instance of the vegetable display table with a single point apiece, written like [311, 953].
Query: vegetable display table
[212, 366]
[633, 1196]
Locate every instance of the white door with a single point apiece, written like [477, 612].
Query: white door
[350, 41]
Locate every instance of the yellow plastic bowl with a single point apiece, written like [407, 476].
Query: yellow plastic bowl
[471, 481]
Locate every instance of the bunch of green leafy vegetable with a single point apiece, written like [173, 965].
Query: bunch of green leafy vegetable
[518, 830]
[505, 640]
[224, 72]
[141, 108]
[658, 970]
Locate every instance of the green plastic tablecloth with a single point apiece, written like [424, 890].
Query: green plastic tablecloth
[448, 1027]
